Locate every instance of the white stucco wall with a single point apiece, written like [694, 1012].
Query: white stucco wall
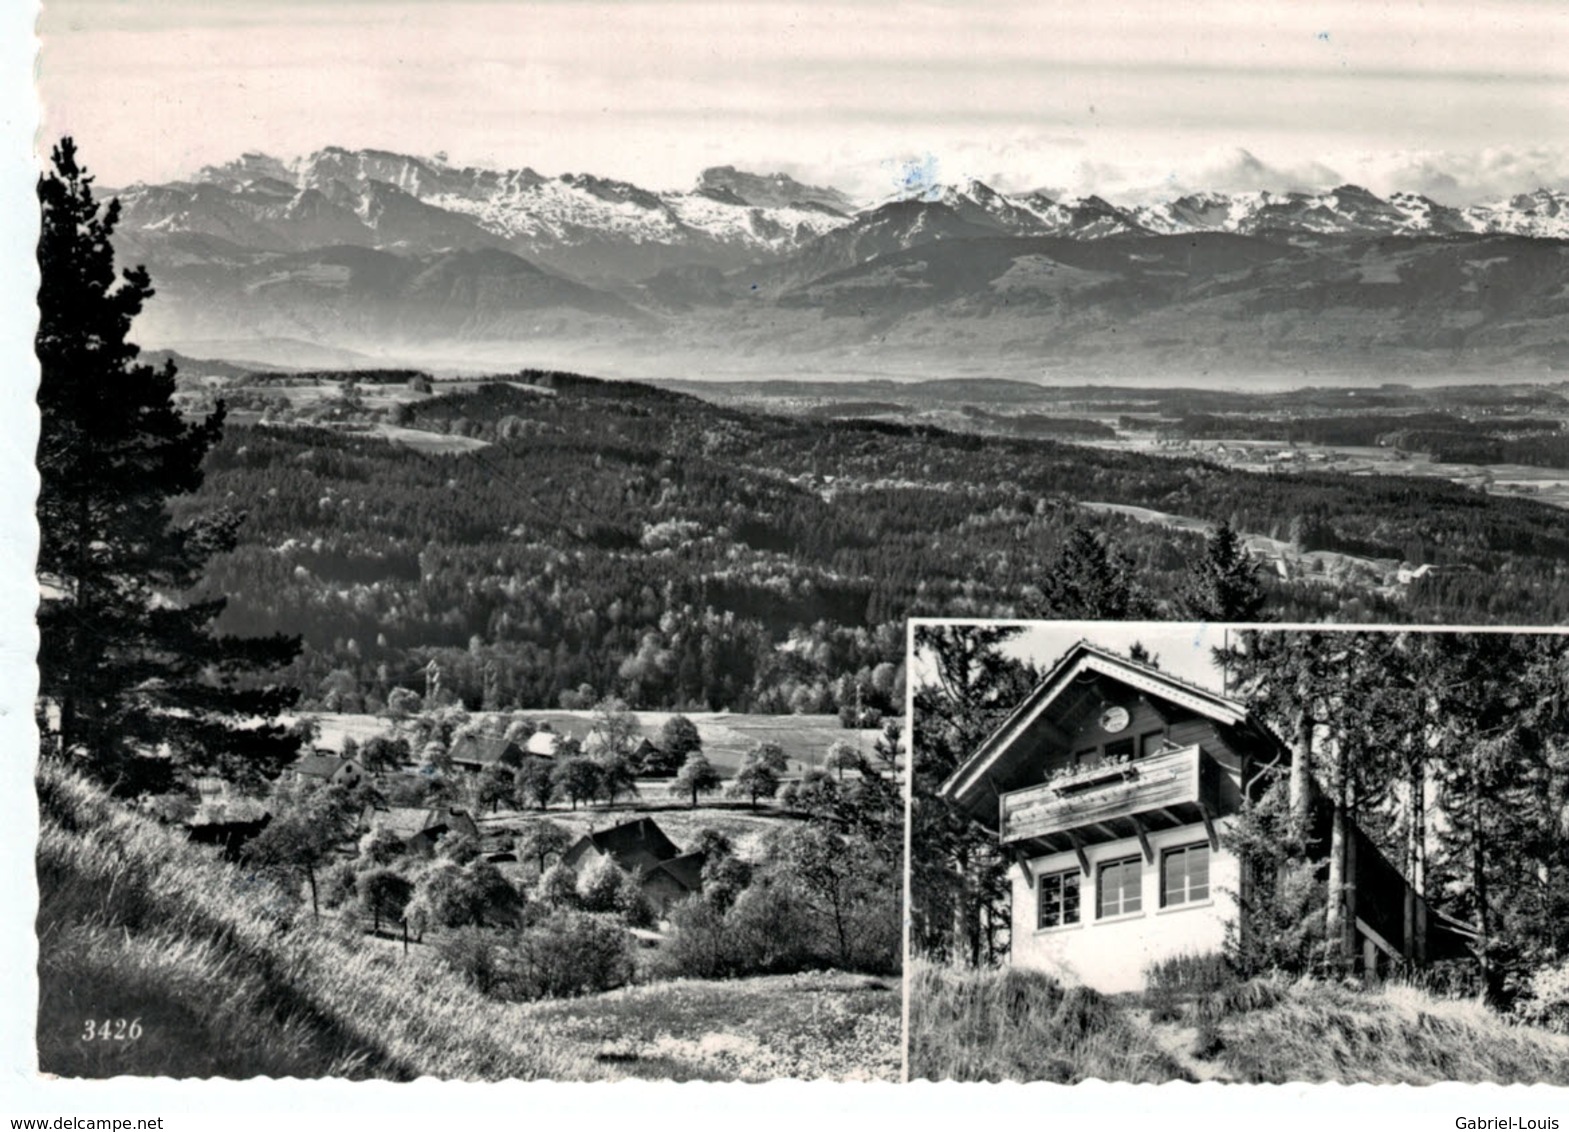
[1110, 955]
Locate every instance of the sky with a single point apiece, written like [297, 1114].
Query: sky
[1133, 99]
[1183, 649]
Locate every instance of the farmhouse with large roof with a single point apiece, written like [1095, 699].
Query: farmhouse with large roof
[1111, 787]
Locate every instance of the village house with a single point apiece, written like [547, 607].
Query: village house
[420, 827]
[633, 845]
[672, 881]
[327, 767]
[543, 744]
[475, 753]
[547, 742]
[1111, 788]
[665, 874]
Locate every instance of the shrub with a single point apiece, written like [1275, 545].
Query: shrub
[1194, 973]
[772, 932]
[381, 847]
[475, 957]
[1546, 1001]
[697, 946]
[458, 847]
[338, 884]
[557, 886]
[569, 954]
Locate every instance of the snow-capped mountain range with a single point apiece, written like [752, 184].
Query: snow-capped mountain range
[399, 257]
[604, 229]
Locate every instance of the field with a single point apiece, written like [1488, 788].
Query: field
[224, 978]
[1022, 1025]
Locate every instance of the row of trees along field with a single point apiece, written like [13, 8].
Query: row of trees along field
[1449, 749]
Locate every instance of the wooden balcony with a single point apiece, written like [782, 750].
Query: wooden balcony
[1174, 787]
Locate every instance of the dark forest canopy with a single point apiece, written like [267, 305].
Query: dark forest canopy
[681, 554]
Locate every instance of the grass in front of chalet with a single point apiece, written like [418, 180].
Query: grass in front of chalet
[1011, 1024]
[1020, 1025]
[1395, 1034]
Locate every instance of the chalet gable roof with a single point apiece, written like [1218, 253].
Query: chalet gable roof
[632, 845]
[1082, 659]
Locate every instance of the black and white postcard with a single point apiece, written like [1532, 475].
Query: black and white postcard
[480, 464]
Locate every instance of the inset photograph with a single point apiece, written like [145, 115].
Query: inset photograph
[1177, 852]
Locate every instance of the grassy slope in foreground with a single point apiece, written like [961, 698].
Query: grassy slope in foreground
[226, 979]
[1022, 1025]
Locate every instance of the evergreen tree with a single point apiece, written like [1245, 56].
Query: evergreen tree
[959, 880]
[1225, 584]
[127, 661]
[1089, 580]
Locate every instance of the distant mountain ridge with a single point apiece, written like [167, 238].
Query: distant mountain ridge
[377, 252]
[403, 203]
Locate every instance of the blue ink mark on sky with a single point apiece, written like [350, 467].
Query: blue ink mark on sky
[1323, 37]
[918, 179]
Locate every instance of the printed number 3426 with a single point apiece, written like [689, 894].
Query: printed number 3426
[112, 1029]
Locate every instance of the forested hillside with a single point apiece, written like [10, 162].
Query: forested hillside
[680, 554]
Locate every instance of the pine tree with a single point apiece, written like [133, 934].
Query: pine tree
[1089, 581]
[128, 663]
[1225, 584]
[959, 879]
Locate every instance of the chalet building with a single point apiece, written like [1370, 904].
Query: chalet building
[420, 828]
[1111, 788]
[475, 753]
[665, 874]
[329, 768]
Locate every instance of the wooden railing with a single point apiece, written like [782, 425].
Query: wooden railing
[1174, 778]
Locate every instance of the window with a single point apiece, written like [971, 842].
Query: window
[1150, 742]
[1121, 749]
[1184, 875]
[1121, 888]
[1059, 899]
[1088, 757]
